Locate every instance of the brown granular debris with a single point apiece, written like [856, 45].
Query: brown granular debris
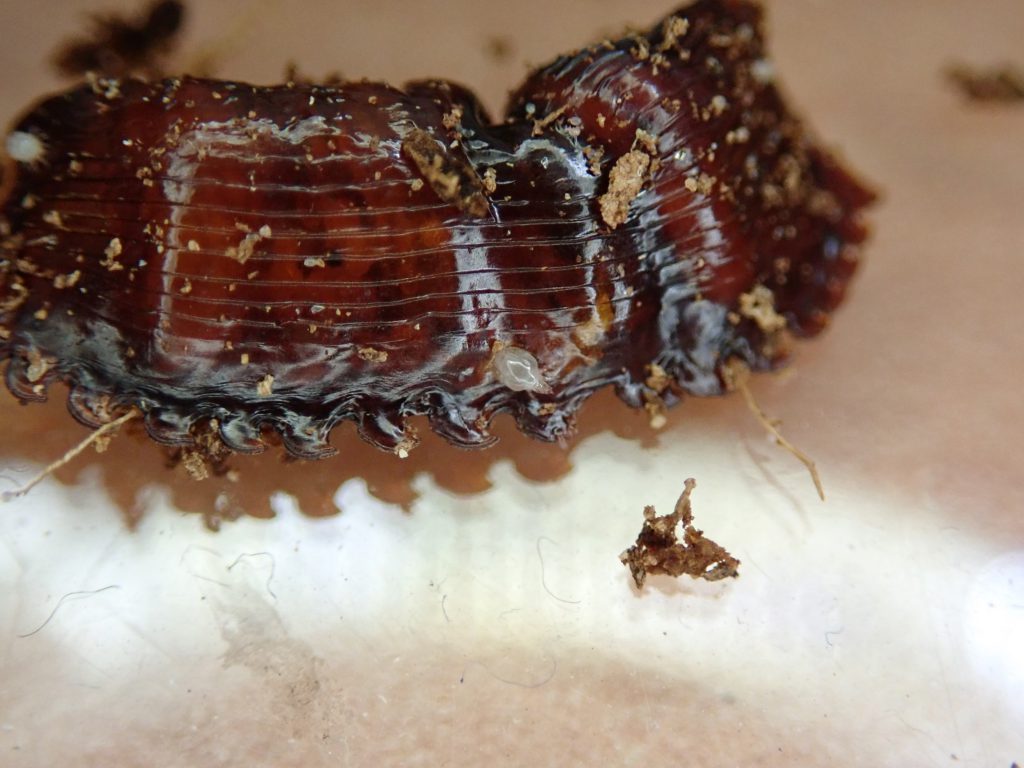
[265, 386]
[594, 156]
[659, 551]
[110, 253]
[207, 457]
[371, 355]
[490, 180]
[657, 378]
[647, 142]
[998, 84]
[548, 119]
[657, 410]
[66, 281]
[452, 179]
[758, 304]
[18, 293]
[702, 183]
[626, 179]
[406, 445]
[194, 464]
[38, 366]
[247, 246]
[452, 120]
[658, 382]
[673, 29]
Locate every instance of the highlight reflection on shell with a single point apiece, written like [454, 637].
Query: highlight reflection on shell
[297, 256]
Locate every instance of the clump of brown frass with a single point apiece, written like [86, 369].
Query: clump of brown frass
[658, 548]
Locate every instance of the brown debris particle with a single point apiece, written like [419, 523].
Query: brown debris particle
[548, 119]
[657, 381]
[66, 281]
[997, 84]
[758, 304]
[194, 464]
[247, 247]
[490, 181]
[658, 550]
[588, 335]
[657, 378]
[657, 411]
[647, 142]
[702, 183]
[453, 179]
[453, 119]
[627, 178]
[642, 50]
[624, 183]
[673, 29]
[101, 444]
[110, 253]
[38, 366]
[371, 355]
[53, 218]
[594, 157]
[207, 456]
[410, 441]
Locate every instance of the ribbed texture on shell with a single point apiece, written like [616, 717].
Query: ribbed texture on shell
[285, 257]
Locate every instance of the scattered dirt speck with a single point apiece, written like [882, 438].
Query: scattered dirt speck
[658, 549]
[371, 355]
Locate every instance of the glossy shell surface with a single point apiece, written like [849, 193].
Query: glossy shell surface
[291, 257]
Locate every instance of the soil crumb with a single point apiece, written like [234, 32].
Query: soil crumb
[627, 179]
[658, 549]
[996, 84]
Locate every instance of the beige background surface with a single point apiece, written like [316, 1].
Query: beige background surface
[469, 608]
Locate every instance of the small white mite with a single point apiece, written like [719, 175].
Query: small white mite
[25, 147]
[762, 71]
[518, 370]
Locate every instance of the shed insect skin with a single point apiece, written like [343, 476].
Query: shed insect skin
[228, 259]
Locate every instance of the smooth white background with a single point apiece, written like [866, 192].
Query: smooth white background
[470, 608]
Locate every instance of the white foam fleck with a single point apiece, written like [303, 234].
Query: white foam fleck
[25, 147]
